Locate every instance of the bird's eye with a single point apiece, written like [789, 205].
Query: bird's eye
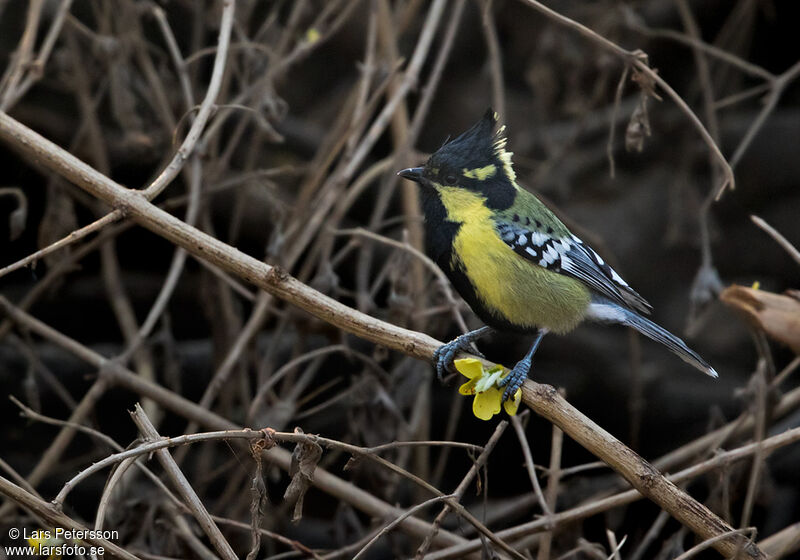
[450, 179]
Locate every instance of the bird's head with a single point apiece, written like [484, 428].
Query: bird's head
[476, 160]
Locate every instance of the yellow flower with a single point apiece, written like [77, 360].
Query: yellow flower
[483, 384]
[42, 541]
[312, 35]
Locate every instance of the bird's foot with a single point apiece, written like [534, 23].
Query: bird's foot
[445, 355]
[515, 378]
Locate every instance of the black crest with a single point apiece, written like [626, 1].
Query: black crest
[477, 146]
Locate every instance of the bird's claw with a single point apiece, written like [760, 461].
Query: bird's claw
[439, 361]
[515, 378]
[445, 355]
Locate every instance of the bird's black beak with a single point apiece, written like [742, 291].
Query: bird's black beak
[413, 173]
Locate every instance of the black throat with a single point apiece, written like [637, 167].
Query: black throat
[439, 231]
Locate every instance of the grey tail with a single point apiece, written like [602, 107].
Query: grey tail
[605, 311]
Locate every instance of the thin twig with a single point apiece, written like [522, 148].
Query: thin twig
[459, 493]
[635, 60]
[55, 518]
[399, 519]
[174, 167]
[127, 379]
[613, 124]
[710, 542]
[785, 244]
[554, 478]
[184, 488]
[594, 507]
[529, 464]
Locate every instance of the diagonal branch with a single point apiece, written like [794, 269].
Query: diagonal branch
[183, 487]
[48, 512]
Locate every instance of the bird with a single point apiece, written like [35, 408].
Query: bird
[517, 266]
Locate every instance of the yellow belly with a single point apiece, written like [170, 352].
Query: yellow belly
[508, 285]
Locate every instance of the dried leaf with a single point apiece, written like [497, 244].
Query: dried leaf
[17, 218]
[258, 500]
[352, 463]
[645, 80]
[706, 286]
[305, 457]
[16, 222]
[638, 126]
[778, 315]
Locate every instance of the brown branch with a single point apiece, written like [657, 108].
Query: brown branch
[74, 236]
[399, 519]
[644, 477]
[495, 59]
[744, 424]
[635, 59]
[55, 518]
[183, 487]
[516, 421]
[36, 66]
[174, 167]
[31, 414]
[22, 57]
[696, 43]
[52, 454]
[782, 543]
[785, 244]
[554, 475]
[721, 460]
[458, 494]
[114, 373]
[271, 279]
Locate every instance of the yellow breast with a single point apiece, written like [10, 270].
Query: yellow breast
[508, 285]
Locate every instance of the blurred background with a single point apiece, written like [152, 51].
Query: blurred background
[320, 104]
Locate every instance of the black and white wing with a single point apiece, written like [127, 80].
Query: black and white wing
[570, 256]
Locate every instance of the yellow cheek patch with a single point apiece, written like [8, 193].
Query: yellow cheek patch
[480, 173]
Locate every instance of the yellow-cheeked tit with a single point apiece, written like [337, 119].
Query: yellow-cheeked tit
[514, 262]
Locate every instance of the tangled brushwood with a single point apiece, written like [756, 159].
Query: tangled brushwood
[219, 326]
